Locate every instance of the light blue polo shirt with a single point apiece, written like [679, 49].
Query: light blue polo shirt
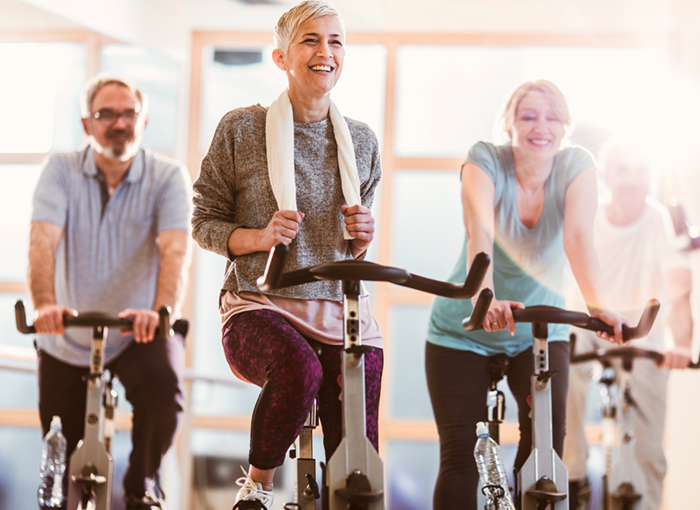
[528, 264]
[107, 259]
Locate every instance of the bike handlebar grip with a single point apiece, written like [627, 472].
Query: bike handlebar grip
[618, 352]
[164, 331]
[86, 319]
[646, 321]
[467, 290]
[476, 274]
[552, 315]
[21, 319]
[274, 268]
[481, 308]
[92, 319]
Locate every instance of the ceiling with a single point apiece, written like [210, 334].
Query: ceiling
[167, 24]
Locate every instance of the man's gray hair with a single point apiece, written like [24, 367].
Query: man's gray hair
[102, 80]
[304, 11]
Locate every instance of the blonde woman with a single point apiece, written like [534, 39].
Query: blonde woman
[529, 204]
[301, 174]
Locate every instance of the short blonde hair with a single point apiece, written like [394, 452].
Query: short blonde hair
[304, 11]
[551, 92]
[102, 80]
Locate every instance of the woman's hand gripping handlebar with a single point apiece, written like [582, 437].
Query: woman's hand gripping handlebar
[95, 319]
[552, 315]
[353, 270]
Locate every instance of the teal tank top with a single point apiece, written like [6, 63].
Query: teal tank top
[528, 264]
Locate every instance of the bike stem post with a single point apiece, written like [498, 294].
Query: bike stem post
[90, 464]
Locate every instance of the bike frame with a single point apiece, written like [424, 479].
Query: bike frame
[624, 483]
[91, 463]
[543, 478]
[355, 473]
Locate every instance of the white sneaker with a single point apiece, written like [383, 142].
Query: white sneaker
[251, 495]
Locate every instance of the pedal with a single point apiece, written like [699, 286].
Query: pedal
[358, 490]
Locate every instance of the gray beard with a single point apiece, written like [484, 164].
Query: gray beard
[118, 151]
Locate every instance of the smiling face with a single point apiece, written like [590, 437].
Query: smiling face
[537, 130]
[314, 59]
[120, 138]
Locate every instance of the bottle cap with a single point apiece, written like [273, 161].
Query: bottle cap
[56, 422]
[482, 429]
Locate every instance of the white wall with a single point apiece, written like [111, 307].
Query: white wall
[156, 24]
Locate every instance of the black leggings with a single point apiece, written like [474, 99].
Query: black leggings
[458, 382]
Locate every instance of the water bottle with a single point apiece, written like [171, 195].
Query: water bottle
[489, 462]
[53, 467]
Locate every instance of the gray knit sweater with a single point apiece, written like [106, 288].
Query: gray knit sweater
[233, 190]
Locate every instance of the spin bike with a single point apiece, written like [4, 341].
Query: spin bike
[543, 480]
[91, 463]
[622, 473]
[354, 474]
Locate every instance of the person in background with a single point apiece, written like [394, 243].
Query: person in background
[110, 233]
[301, 174]
[529, 204]
[634, 241]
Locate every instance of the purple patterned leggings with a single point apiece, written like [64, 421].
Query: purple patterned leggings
[265, 349]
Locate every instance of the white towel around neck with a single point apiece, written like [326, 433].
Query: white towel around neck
[279, 132]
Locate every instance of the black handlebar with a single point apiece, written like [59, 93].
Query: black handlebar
[353, 270]
[624, 353]
[553, 315]
[94, 319]
[618, 352]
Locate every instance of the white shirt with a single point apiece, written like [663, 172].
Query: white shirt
[634, 262]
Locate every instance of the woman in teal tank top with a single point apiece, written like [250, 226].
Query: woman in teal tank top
[530, 205]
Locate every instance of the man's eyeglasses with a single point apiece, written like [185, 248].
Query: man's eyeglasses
[109, 116]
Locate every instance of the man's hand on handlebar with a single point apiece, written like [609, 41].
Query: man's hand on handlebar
[678, 357]
[145, 323]
[49, 318]
[500, 316]
[612, 319]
